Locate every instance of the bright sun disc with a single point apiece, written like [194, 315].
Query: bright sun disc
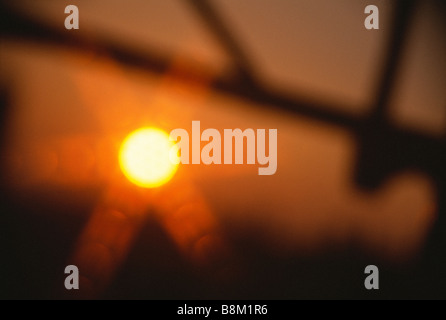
[148, 158]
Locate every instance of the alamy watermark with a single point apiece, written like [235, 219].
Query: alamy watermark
[229, 148]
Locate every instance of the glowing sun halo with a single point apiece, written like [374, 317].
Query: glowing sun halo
[147, 157]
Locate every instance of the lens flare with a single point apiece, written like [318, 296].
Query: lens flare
[148, 158]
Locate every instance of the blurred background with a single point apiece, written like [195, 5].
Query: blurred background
[361, 120]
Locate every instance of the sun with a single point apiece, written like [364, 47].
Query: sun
[148, 158]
